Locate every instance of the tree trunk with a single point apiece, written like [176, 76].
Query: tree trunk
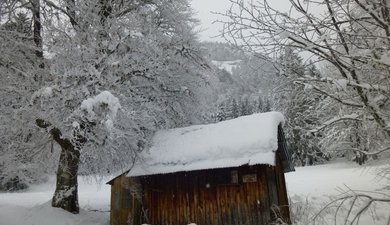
[37, 30]
[65, 195]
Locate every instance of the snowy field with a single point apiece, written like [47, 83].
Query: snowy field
[33, 206]
[309, 188]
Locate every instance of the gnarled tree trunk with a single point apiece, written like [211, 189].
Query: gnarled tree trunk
[65, 195]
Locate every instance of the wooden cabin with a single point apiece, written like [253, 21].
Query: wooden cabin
[228, 173]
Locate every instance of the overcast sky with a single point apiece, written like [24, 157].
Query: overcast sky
[204, 9]
[209, 30]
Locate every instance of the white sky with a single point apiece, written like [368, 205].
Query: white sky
[209, 29]
[204, 9]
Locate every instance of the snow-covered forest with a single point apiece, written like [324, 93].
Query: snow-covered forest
[85, 84]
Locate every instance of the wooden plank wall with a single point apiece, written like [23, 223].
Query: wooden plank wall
[282, 190]
[203, 198]
[126, 202]
[115, 201]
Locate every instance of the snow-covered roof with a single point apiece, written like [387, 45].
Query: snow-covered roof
[248, 140]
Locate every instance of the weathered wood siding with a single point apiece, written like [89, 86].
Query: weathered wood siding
[206, 197]
[277, 191]
[126, 201]
[282, 191]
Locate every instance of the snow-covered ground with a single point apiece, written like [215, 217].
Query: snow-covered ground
[308, 187]
[33, 206]
[328, 179]
[311, 188]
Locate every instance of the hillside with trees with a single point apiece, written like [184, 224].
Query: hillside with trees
[248, 84]
[85, 85]
[346, 108]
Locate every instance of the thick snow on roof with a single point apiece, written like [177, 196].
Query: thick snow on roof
[245, 140]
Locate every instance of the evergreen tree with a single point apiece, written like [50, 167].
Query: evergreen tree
[354, 51]
[234, 109]
[221, 114]
[267, 106]
[259, 104]
[245, 107]
[299, 106]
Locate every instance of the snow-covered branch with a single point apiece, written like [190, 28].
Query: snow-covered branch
[374, 152]
[353, 116]
[352, 45]
[343, 83]
[333, 96]
[351, 205]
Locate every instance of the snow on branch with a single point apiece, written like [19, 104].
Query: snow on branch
[320, 90]
[352, 204]
[343, 83]
[373, 153]
[352, 116]
[103, 101]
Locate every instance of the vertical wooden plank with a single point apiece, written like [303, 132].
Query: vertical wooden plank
[179, 199]
[176, 201]
[238, 194]
[282, 191]
[265, 205]
[123, 213]
[272, 191]
[183, 187]
[247, 210]
[196, 201]
[115, 209]
[223, 206]
[187, 199]
[206, 205]
[182, 202]
[229, 205]
[259, 193]
[191, 182]
[200, 216]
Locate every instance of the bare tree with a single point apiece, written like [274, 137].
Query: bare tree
[351, 38]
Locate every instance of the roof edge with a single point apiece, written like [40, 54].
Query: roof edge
[110, 182]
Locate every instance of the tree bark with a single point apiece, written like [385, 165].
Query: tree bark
[65, 195]
[37, 31]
